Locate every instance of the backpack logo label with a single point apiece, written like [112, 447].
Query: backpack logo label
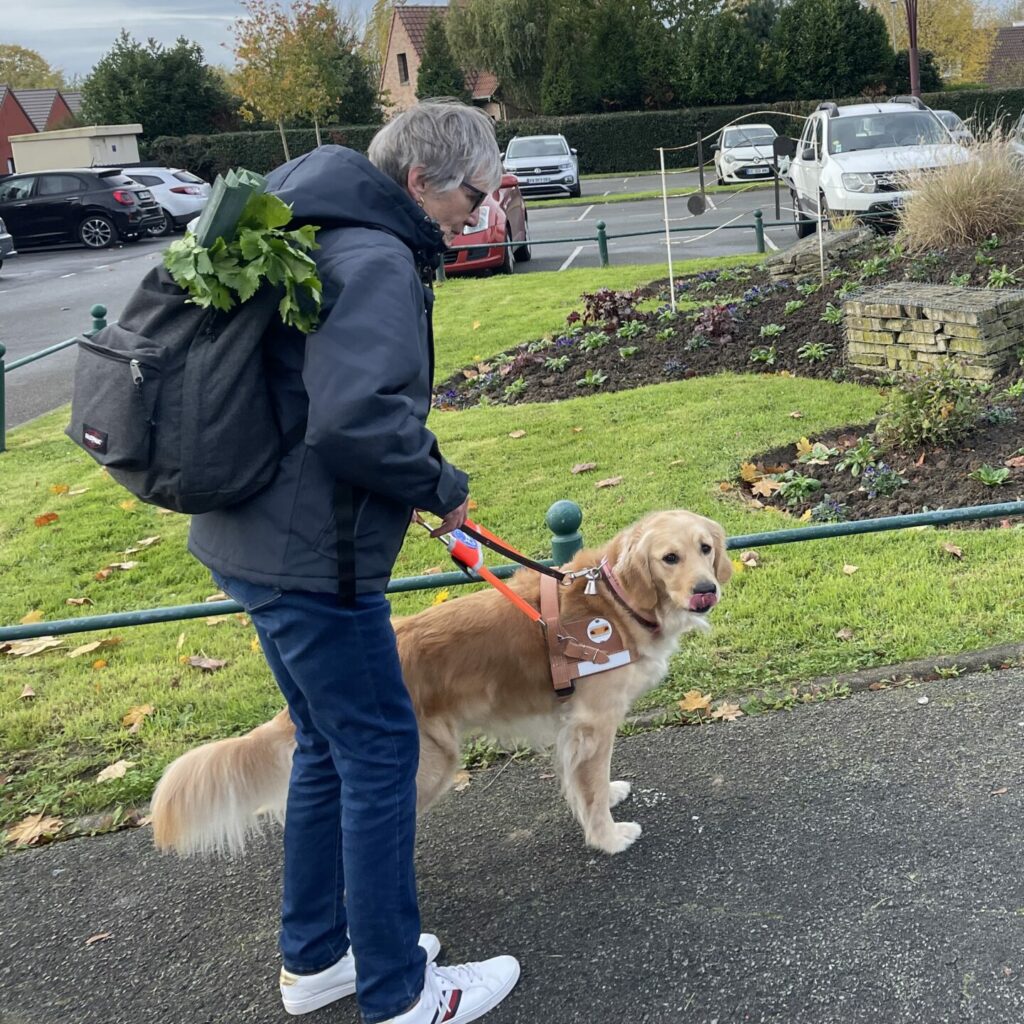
[93, 439]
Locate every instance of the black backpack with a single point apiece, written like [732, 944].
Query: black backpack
[174, 401]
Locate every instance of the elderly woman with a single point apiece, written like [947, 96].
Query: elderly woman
[310, 556]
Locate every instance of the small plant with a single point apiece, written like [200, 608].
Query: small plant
[793, 305]
[556, 363]
[705, 286]
[960, 280]
[881, 479]
[696, 341]
[593, 340]
[817, 455]
[630, 330]
[794, 487]
[628, 351]
[990, 476]
[814, 352]
[936, 408]
[502, 360]
[610, 308]
[998, 416]
[1000, 277]
[848, 289]
[771, 330]
[667, 316]
[592, 379]
[1015, 390]
[990, 244]
[859, 457]
[828, 510]
[484, 401]
[809, 288]
[925, 267]
[764, 355]
[673, 368]
[539, 346]
[832, 315]
[665, 335]
[716, 322]
[516, 388]
[874, 267]
[983, 259]
[837, 274]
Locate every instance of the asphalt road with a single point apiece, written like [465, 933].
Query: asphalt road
[45, 296]
[853, 862]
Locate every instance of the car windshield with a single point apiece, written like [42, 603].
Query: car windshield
[532, 148]
[748, 137]
[949, 119]
[885, 131]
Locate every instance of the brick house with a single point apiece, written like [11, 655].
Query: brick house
[24, 111]
[1006, 65]
[402, 63]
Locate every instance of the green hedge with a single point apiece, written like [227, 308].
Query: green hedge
[607, 143]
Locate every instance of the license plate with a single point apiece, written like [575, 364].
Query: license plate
[897, 203]
[536, 181]
[759, 170]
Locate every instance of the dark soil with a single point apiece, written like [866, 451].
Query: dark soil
[624, 344]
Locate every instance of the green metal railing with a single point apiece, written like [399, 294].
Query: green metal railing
[564, 519]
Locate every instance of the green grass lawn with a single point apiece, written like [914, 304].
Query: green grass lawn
[673, 193]
[671, 443]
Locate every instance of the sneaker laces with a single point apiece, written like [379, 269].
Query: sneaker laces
[460, 975]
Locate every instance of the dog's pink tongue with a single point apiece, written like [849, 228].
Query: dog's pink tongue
[702, 602]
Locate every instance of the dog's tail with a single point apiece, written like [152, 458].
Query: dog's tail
[213, 798]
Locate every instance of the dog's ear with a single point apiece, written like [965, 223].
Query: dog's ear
[632, 565]
[723, 563]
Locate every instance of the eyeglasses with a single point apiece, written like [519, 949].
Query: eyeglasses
[475, 194]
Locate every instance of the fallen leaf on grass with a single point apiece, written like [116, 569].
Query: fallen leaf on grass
[254, 645]
[440, 597]
[26, 648]
[472, 505]
[1016, 462]
[804, 446]
[751, 558]
[796, 414]
[517, 434]
[33, 830]
[725, 486]
[765, 487]
[216, 620]
[76, 491]
[749, 472]
[952, 549]
[844, 634]
[99, 663]
[27, 693]
[476, 325]
[127, 505]
[726, 712]
[78, 602]
[219, 596]
[46, 518]
[36, 615]
[146, 542]
[678, 462]
[115, 770]
[612, 481]
[755, 503]
[100, 937]
[123, 566]
[110, 641]
[583, 467]
[807, 515]
[59, 489]
[181, 641]
[694, 700]
[103, 574]
[576, 430]
[166, 512]
[136, 716]
[462, 780]
[849, 570]
[206, 664]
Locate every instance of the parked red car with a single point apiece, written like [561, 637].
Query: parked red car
[502, 218]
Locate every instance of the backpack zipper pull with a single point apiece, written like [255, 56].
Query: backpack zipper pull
[137, 377]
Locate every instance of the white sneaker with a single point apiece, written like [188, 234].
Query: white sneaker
[456, 995]
[303, 993]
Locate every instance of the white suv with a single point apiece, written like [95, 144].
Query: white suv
[851, 160]
[546, 165]
[181, 194]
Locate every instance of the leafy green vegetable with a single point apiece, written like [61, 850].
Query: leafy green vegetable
[261, 252]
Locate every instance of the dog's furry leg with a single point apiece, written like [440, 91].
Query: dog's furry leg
[583, 753]
[439, 760]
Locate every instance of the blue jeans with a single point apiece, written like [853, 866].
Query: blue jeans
[350, 826]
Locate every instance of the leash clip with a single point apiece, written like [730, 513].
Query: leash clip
[592, 575]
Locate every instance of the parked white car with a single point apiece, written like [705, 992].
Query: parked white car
[853, 159]
[957, 128]
[744, 153]
[1017, 137]
[546, 165]
[181, 194]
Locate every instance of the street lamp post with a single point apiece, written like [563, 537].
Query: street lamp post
[915, 73]
[892, 18]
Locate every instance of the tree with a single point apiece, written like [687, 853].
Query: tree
[720, 62]
[614, 55]
[439, 73]
[25, 69]
[827, 49]
[169, 90]
[310, 48]
[931, 79]
[566, 86]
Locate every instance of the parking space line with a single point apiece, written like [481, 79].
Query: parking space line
[606, 193]
[568, 262]
[585, 212]
[771, 244]
[62, 276]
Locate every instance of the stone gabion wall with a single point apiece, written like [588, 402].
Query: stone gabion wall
[912, 327]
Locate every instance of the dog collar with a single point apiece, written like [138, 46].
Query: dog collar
[616, 588]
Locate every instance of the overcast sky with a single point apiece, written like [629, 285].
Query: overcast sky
[74, 34]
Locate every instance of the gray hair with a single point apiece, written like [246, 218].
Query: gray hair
[452, 142]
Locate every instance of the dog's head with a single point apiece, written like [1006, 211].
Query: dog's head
[672, 561]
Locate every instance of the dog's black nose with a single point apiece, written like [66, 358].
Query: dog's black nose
[705, 587]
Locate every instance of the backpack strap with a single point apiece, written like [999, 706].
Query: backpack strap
[345, 517]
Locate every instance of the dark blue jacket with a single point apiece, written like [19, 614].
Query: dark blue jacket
[361, 383]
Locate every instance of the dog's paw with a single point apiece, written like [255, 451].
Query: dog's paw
[621, 836]
[618, 791]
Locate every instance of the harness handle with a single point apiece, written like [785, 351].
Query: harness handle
[484, 536]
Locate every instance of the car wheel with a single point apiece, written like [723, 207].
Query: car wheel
[165, 227]
[524, 253]
[802, 230]
[97, 232]
[508, 264]
[576, 192]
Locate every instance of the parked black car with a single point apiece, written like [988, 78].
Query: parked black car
[96, 207]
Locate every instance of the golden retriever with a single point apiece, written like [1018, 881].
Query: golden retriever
[477, 664]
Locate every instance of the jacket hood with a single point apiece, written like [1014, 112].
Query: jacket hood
[337, 187]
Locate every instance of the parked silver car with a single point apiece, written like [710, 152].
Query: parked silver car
[6, 244]
[181, 194]
[546, 165]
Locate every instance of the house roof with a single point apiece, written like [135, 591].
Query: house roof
[73, 100]
[415, 18]
[1006, 65]
[37, 103]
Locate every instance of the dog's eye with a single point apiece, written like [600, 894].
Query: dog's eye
[705, 549]
[671, 558]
